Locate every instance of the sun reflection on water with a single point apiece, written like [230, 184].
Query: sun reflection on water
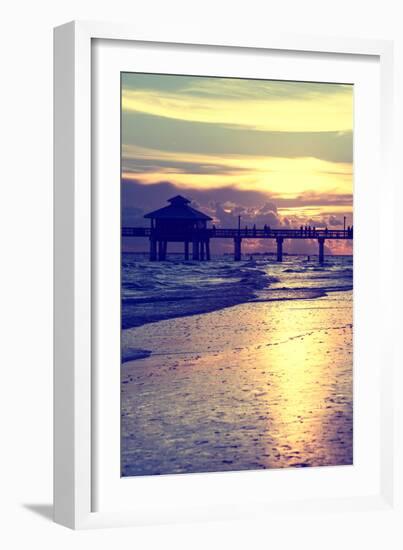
[273, 392]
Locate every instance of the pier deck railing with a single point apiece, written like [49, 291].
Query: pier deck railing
[245, 233]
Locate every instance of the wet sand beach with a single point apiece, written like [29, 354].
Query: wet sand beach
[256, 385]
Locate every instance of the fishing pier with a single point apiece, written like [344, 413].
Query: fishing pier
[179, 222]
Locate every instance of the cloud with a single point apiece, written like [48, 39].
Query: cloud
[240, 88]
[309, 198]
[177, 166]
[250, 216]
[332, 220]
[228, 203]
[269, 174]
[268, 207]
[136, 194]
[167, 134]
[267, 106]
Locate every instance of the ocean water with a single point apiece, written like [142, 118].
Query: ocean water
[154, 291]
[236, 366]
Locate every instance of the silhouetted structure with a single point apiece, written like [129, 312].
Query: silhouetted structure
[179, 222]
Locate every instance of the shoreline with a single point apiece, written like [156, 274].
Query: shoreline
[139, 353]
[220, 394]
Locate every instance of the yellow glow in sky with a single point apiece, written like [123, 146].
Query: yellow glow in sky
[290, 141]
[331, 113]
[276, 176]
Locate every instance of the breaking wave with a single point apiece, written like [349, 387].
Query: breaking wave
[153, 291]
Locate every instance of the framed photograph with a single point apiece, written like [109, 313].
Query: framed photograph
[223, 346]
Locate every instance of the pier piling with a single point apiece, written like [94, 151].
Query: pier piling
[237, 249]
[195, 250]
[279, 241]
[208, 250]
[153, 249]
[321, 242]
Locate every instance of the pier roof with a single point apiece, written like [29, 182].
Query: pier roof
[178, 209]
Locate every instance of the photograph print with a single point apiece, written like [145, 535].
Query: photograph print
[236, 274]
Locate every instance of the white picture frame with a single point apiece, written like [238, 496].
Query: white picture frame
[76, 421]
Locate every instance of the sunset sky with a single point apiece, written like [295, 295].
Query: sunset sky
[277, 153]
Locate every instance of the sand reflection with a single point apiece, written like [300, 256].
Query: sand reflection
[272, 390]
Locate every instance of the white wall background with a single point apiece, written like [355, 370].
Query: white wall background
[26, 264]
